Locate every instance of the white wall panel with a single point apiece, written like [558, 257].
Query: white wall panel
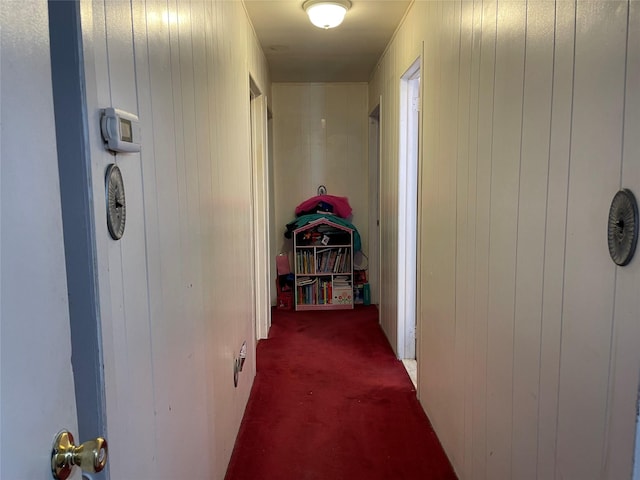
[625, 355]
[532, 210]
[556, 217]
[389, 121]
[526, 365]
[257, 63]
[130, 392]
[595, 163]
[471, 28]
[486, 53]
[169, 336]
[439, 186]
[346, 162]
[462, 293]
[503, 224]
[320, 138]
[179, 304]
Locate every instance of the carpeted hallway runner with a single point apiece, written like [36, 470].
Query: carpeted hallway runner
[330, 401]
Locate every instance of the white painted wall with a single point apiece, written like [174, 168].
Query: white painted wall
[174, 290]
[528, 333]
[319, 138]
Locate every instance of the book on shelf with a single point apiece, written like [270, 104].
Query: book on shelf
[341, 262]
[331, 260]
[323, 259]
[336, 264]
[342, 280]
[305, 261]
[324, 292]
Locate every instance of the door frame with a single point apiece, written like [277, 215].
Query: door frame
[260, 210]
[375, 147]
[74, 164]
[408, 160]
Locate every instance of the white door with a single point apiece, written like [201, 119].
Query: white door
[37, 393]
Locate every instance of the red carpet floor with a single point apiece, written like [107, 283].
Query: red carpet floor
[330, 401]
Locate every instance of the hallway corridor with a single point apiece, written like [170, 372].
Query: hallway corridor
[330, 401]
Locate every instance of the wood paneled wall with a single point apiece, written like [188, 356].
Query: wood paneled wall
[180, 279]
[320, 138]
[526, 329]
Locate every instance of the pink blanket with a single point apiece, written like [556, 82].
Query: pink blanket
[340, 205]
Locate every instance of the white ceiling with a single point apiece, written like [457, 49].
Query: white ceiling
[299, 52]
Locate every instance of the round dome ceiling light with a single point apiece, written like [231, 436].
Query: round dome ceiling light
[326, 13]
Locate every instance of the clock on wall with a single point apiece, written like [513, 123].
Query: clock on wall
[116, 203]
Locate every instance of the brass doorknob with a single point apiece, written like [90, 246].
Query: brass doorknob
[91, 456]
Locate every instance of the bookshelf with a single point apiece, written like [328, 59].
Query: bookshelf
[323, 266]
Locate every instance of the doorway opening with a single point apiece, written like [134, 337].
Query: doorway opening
[407, 215]
[260, 207]
[374, 202]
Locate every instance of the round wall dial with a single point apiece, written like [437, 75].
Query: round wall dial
[116, 203]
[623, 227]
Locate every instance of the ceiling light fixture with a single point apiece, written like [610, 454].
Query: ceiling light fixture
[326, 13]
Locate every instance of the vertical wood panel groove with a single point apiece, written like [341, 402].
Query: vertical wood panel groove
[624, 393]
[564, 254]
[624, 88]
[517, 230]
[546, 239]
[529, 364]
[612, 343]
[610, 378]
[489, 453]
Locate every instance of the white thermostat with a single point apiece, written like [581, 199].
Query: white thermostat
[120, 130]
